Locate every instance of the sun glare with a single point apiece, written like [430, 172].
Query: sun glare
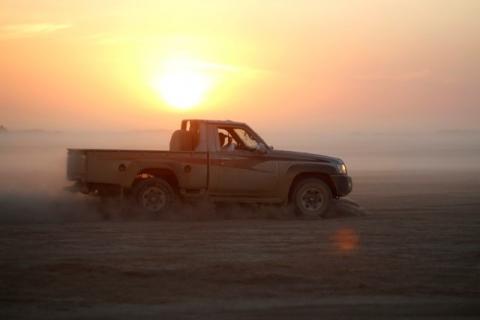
[182, 83]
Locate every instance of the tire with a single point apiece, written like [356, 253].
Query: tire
[154, 196]
[312, 198]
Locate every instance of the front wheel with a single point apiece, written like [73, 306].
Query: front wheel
[155, 195]
[312, 198]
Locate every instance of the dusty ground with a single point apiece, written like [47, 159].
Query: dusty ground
[416, 253]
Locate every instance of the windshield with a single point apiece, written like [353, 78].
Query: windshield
[238, 138]
[247, 140]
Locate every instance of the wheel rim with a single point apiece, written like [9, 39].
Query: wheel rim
[312, 199]
[153, 199]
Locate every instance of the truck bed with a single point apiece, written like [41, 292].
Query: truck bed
[122, 166]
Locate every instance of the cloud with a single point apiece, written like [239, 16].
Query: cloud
[110, 39]
[30, 29]
[402, 76]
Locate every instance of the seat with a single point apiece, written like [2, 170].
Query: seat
[181, 140]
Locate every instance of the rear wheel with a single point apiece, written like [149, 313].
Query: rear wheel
[154, 195]
[312, 198]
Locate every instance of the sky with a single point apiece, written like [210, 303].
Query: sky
[354, 65]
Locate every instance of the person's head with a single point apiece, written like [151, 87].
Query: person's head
[222, 137]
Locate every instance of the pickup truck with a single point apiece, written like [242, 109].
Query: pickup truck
[223, 161]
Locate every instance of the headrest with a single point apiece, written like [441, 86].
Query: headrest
[182, 140]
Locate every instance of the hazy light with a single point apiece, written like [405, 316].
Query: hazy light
[182, 83]
[346, 239]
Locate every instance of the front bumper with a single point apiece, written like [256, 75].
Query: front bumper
[343, 184]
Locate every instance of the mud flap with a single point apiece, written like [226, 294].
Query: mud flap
[77, 187]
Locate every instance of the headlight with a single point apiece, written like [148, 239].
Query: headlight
[342, 168]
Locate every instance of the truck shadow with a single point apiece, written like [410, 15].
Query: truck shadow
[205, 211]
[65, 208]
[346, 207]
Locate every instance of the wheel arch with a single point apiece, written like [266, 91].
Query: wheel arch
[298, 173]
[166, 174]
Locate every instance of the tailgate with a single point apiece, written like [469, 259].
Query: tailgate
[76, 164]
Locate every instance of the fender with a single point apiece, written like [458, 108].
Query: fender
[133, 169]
[296, 169]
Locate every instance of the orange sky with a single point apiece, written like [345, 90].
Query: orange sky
[346, 65]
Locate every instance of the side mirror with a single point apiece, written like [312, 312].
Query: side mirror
[261, 148]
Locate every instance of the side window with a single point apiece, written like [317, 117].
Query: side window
[193, 133]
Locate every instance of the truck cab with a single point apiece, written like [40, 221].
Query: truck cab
[238, 165]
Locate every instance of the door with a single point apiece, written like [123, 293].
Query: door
[238, 167]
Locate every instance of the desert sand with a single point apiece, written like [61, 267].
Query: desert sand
[411, 251]
[405, 244]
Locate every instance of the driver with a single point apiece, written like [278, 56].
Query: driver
[229, 145]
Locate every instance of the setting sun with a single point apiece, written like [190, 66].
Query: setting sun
[182, 83]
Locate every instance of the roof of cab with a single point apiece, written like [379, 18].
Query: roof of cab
[217, 122]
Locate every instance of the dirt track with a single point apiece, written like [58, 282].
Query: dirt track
[415, 254]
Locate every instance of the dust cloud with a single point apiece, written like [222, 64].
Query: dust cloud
[33, 172]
